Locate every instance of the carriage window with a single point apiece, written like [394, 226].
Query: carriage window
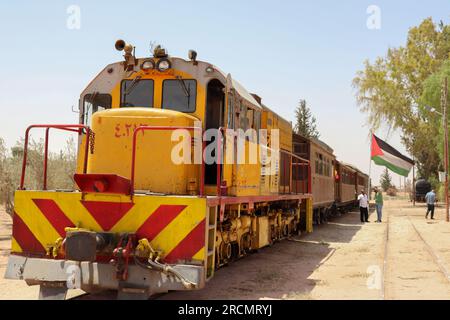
[95, 102]
[321, 165]
[330, 168]
[317, 163]
[257, 123]
[243, 117]
[250, 123]
[257, 120]
[179, 95]
[230, 116]
[136, 93]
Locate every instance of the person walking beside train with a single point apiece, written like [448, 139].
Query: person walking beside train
[363, 206]
[378, 203]
[430, 198]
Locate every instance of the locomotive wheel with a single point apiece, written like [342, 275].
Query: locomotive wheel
[319, 217]
[291, 228]
[225, 252]
[285, 230]
[325, 215]
[217, 261]
[316, 217]
[234, 251]
[246, 243]
[273, 235]
[298, 228]
[302, 223]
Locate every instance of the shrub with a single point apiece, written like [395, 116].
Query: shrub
[61, 167]
[392, 191]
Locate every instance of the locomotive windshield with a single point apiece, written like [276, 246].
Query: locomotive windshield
[136, 93]
[179, 95]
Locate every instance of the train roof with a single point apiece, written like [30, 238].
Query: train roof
[270, 110]
[101, 80]
[316, 141]
[353, 167]
[323, 145]
[234, 84]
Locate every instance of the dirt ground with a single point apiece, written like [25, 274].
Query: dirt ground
[405, 257]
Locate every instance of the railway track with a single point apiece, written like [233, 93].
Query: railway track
[432, 252]
[111, 295]
[107, 296]
[383, 282]
[429, 249]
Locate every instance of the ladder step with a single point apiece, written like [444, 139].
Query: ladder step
[212, 226]
[210, 252]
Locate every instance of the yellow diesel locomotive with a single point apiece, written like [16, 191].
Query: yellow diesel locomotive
[141, 223]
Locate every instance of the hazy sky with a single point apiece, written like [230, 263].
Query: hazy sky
[282, 50]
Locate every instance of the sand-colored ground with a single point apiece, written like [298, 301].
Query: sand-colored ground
[405, 257]
[11, 289]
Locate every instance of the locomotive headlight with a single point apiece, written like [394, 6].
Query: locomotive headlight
[148, 65]
[163, 65]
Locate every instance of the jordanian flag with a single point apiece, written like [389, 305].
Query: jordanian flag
[385, 155]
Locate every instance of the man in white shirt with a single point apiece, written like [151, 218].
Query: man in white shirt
[363, 206]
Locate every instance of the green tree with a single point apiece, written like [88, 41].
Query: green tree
[390, 89]
[385, 180]
[431, 97]
[305, 122]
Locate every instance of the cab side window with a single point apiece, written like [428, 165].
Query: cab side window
[95, 102]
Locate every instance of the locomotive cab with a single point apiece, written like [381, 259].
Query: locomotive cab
[170, 92]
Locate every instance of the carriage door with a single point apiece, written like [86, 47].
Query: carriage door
[300, 173]
[337, 180]
[214, 115]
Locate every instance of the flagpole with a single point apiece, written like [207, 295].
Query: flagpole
[370, 164]
[445, 118]
[414, 186]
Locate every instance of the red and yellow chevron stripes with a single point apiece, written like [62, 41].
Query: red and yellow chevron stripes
[174, 225]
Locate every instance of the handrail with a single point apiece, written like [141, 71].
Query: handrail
[66, 127]
[294, 155]
[304, 162]
[163, 128]
[219, 162]
[78, 127]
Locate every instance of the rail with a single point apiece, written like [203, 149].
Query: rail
[164, 128]
[65, 127]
